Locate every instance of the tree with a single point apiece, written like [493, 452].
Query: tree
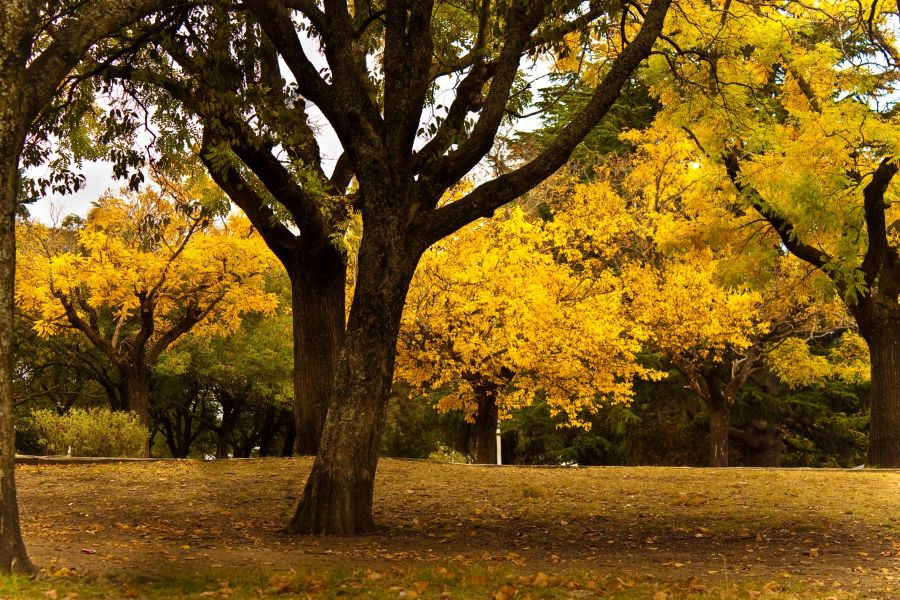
[379, 93]
[386, 67]
[693, 274]
[377, 115]
[236, 386]
[806, 94]
[40, 44]
[146, 271]
[714, 294]
[496, 313]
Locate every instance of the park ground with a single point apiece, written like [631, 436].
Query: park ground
[190, 529]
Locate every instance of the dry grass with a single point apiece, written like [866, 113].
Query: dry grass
[178, 529]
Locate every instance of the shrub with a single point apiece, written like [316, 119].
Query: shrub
[91, 432]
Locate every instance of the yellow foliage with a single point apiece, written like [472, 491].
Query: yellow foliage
[494, 307]
[795, 364]
[138, 258]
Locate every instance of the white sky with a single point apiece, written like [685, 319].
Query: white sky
[99, 179]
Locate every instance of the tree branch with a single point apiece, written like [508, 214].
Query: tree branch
[446, 170]
[783, 227]
[874, 207]
[99, 20]
[431, 226]
[277, 236]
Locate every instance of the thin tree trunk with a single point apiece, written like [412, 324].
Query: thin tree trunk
[267, 433]
[880, 327]
[226, 431]
[170, 435]
[318, 307]
[337, 498]
[13, 557]
[719, 419]
[221, 446]
[290, 436]
[486, 426]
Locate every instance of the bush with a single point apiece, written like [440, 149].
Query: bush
[91, 432]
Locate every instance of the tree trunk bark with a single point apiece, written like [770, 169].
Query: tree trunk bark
[880, 327]
[13, 557]
[337, 498]
[719, 418]
[222, 444]
[486, 426]
[137, 394]
[267, 432]
[318, 288]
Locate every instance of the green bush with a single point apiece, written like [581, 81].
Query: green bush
[91, 432]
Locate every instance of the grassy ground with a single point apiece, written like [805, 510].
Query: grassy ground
[212, 530]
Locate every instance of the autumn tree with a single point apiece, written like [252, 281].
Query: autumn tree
[147, 269]
[379, 95]
[40, 44]
[716, 293]
[797, 121]
[496, 314]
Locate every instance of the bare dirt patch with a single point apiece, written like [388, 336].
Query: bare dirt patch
[823, 530]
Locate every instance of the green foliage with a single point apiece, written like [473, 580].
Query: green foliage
[90, 432]
[657, 428]
[414, 429]
[635, 109]
[823, 425]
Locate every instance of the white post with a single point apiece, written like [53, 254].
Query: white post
[499, 454]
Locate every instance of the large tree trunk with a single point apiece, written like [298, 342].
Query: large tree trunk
[486, 426]
[879, 324]
[318, 288]
[137, 395]
[13, 558]
[137, 386]
[338, 494]
[719, 418]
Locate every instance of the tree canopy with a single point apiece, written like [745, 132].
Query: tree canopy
[138, 274]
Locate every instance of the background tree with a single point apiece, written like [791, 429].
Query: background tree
[806, 93]
[237, 387]
[716, 293]
[496, 314]
[699, 274]
[147, 270]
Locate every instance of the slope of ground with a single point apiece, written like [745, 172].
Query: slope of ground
[193, 529]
